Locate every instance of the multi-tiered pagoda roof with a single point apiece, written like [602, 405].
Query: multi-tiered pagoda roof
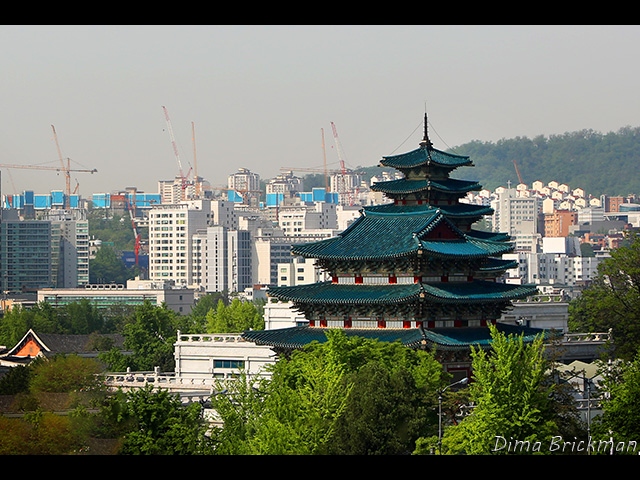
[414, 269]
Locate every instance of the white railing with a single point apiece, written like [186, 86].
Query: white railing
[586, 337]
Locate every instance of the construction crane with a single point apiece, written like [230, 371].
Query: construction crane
[343, 189]
[339, 148]
[65, 168]
[183, 177]
[136, 234]
[324, 154]
[195, 160]
[518, 172]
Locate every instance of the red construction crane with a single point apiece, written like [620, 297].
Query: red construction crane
[183, 177]
[136, 235]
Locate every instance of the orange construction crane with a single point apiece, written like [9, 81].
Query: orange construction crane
[66, 170]
[518, 172]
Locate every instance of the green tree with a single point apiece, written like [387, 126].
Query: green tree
[511, 395]
[620, 419]
[66, 373]
[81, 318]
[348, 395]
[16, 380]
[149, 334]
[612, 301]
[107, 267]
[156, 423]
[196, 320]
[236, 317]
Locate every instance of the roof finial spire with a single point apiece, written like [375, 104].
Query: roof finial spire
[425, 141]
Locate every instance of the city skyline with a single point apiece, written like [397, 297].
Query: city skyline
[261, 96]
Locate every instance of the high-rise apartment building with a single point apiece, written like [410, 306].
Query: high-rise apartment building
[70, 249]
[25, 255]
[514, 214]
[222, 259]
[247, 184]
[171, 228]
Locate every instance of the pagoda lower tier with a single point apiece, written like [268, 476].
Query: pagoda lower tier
[451, 345]
[402, 305]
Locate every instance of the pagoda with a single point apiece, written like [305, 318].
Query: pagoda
[413, 270]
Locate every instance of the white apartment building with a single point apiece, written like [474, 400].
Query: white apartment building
[171, 228]
[300, 271]
[296, 220]
[271, 247]
[514, 214]
[590, 215]
[346, 215]
[224, 213]
[221, 259]
[551, 269]
[246, 184]
[173, 191]
[69, 248]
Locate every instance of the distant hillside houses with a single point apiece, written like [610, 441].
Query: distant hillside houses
[560, 233]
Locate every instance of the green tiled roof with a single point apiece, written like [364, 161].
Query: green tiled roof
[477, 291]
[405, 186]
[378, 235]
[421, 155]
[457, 210]
[498, 264]
[493, 236]
[442, 338]
[465, 249]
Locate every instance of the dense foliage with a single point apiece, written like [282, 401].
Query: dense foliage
[236, 317]
[620, 420]
[612, 301]
[513, 399]
[596, 162]
[348, 395]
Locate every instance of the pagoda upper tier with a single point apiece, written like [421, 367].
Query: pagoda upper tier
[426, 179]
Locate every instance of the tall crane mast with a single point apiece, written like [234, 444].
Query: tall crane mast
[66, 170]
[195, 160]
[344, 188]
[339, 148]
[183, 178]
[518, 172]
[324, 154]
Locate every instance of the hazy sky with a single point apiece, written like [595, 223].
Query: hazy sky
[260, 96]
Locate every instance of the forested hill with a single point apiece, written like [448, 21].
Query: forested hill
[596, 162]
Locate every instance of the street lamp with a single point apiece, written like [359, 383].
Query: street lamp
[440, 392]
